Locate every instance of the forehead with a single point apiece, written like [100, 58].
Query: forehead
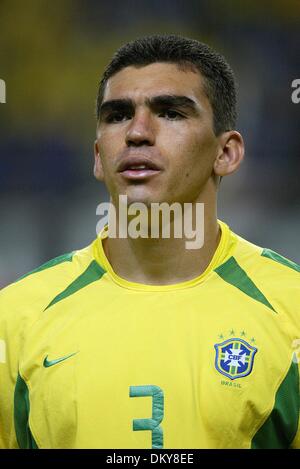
[155, 79]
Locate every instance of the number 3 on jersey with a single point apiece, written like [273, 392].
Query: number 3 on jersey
[152, 423]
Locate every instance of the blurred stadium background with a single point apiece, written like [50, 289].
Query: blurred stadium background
[52, 55]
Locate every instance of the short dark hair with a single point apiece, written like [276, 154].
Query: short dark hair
[219, 80]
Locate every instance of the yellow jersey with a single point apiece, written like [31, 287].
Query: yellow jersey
[91, 360]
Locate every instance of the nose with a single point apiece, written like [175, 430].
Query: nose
[141, 129]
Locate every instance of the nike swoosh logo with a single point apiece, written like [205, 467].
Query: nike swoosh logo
[48, 363]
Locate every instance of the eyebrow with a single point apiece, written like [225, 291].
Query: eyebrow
[170, 100]
[115, 105]
[156, 102]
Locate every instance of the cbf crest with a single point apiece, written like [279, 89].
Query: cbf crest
[234, 358]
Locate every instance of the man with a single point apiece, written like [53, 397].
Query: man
[140, 342]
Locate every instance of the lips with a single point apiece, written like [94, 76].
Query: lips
[138, 163]
[138, 168]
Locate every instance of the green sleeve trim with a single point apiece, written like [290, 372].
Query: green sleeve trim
[21, 416]
[232, 273]
[93, 273]
[282, 260]
[53, 262]
[280, 428]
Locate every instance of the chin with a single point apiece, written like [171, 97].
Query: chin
[141, 196]
[147, 201]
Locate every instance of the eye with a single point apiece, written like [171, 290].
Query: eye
[171, 114]
[116, 117]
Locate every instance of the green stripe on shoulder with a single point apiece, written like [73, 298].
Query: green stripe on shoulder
[232, 273]
[282, 260]
[280, 428]
[53, 262]
[93, 273]
[21, 416]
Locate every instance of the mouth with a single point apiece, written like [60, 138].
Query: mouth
[138, 168]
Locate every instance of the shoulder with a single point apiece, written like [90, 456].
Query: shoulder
[30, 295]
[276, 276]
[266, 264]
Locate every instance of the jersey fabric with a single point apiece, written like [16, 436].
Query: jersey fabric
[91, 360]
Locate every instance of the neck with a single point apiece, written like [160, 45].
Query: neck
[165, 261]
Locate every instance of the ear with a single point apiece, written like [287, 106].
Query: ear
[231, 153]
[98, 167]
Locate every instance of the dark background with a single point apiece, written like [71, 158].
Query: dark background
[52, 55]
